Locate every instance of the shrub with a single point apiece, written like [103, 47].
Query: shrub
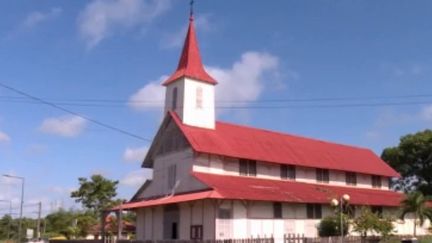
[330, 226]
[368, 222]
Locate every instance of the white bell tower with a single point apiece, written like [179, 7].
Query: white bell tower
[190, 90]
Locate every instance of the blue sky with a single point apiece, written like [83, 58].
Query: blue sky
[98, 58]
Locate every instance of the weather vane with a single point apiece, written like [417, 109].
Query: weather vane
[191, 8]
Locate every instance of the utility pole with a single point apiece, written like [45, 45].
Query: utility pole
[21, 204]
[38, 229]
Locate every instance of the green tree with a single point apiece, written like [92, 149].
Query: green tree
[412, 158]
[6, 221]
[415, 203]
[84, 223]
[369, 222]
[330, 226]
[60, 223]
[96, 194]
[6, 227]
[70, 224]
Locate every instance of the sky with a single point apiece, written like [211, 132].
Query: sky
[357, 72]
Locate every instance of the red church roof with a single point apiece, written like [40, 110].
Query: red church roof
[252, 188]
[190, 64]
[257, 144]
[257, 189]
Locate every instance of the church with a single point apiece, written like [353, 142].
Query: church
[216, 180]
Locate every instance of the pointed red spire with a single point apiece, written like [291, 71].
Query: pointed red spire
[190, 64]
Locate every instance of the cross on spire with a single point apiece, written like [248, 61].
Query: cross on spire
[191, 9]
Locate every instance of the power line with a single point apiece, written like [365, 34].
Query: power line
[258, 106]
[122, 101]
[53, 105]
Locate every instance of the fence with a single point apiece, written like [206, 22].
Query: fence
[289, 238]
[246, 240]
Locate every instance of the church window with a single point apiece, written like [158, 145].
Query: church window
[313, 211]
[351, 178]
[322, 175]
[174, 99]
[172, 176]
[224, 213]
[376, 181]
[196, 232]
[287, 172]
[247, 167]
[199, 98]
[277, 210]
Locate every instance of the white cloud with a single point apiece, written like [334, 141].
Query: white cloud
[426, 113]
[177, 38]
[66, 126]
[4, 137]
[150, 96]
[136, 178]
[243, 81]
[60, 190]
[135, 154]
[101, 18]
[35, 18]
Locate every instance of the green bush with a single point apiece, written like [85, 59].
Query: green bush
[330, 226]
[368, 222]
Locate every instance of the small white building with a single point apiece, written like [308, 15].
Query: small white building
[216, 180]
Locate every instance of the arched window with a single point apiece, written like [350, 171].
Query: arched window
[174, 99]
[199, 98]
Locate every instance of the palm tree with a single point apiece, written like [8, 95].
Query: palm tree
[416, 203]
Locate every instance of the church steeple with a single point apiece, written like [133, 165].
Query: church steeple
[190, 90]
[190, 64]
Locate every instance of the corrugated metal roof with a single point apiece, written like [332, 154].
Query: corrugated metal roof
[252, 188]
[169, 200]
[257, 144]
[256, 189]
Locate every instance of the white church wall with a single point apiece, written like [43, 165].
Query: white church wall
[255, 219]
[200, 114]
[209, 219]
[185, 221]
[149, 223]
[406, 226]
[364, 181]
[147, 213]
[230, 166]
[337, 178]
[140, 223]
[239, 223]
[249, 219]
[179, 84]
[182, 160]
[304, 174]
[268, 170]
[192, 110]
